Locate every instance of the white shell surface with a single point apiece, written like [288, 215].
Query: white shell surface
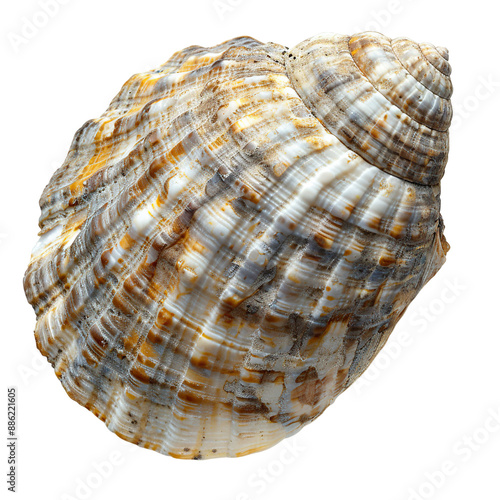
[216, 262]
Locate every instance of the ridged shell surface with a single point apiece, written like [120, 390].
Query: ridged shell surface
[227, 248]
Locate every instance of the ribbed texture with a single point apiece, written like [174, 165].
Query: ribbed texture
[215, 266]
[387, 101]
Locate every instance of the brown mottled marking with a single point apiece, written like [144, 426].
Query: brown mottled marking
[190, 397]
[310, 390]
[130, 341]
[147, 355]
[164, 319]
[88, 357]
[323, 241]
[95, 333]
[139, 373]
[387, 260]
[127, 241]
[155, 336]
[105, 258]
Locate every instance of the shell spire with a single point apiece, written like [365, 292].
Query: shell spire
[228, 247]
[389, 101]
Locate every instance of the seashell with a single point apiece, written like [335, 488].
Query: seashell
[228, 247]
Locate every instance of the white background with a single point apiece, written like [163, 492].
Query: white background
[429, 400]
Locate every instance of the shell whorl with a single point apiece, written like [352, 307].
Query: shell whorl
[389, 101]
[216, 261]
